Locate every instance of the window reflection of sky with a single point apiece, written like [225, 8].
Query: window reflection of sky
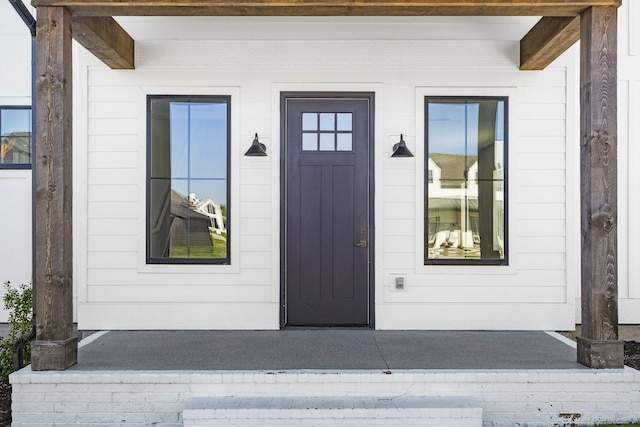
[453, 127]
[15, 121]
[199, 149]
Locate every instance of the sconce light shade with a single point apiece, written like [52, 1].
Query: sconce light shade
[257, 148]
[400, 149]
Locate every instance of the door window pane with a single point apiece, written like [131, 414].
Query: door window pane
[345, 142]
[310, 141]
[344, 121]
[188, 179]
[309, 121]
[465, 180]
[327, 142]
[327, 121]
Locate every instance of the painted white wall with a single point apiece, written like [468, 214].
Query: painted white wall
[15, 185]
[628, 160]
[253, 60]
[15, 50]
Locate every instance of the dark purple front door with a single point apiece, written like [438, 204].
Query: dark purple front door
[326, 210]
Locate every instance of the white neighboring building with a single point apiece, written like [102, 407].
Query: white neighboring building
[211, 209]
[15, 170]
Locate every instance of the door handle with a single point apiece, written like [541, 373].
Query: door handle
[361, 244]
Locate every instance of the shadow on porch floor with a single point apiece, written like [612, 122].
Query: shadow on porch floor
[333, 349]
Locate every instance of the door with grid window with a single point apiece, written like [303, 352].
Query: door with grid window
[326, 212]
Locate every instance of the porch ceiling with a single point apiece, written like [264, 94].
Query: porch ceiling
[96, 30]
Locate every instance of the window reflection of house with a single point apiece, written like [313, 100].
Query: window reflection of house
[454, 221]
[212, 210]
[188, 227]
[453, 201]
[15, 148]
[465, 182]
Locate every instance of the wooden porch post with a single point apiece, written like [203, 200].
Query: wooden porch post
[599, 347]
[55, 347]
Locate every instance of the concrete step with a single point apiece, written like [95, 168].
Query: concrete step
[402, 411]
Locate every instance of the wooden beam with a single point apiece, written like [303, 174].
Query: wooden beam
[328, 7]
[55, 347]
[547, 40]
[106, 39]
[599, 347]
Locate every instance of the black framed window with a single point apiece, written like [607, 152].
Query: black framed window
[15, 137]
[188, 174]
[466, 186]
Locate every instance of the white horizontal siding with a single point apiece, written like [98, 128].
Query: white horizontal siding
[478, 294]
[131, 276]
[112, 110]
[111, 243]
[109, 143]
[109, 226]
[400, 227]
[540, 195]
[542, 128]
[493, 316]
[540, 211]
[114, 210]
[256, 226]
[173, 293]
[174, 316]
[112, 176]
[540, 227]
[116, 274]
[541, 161]
[533, 144]
[114, 193]
[551, 178]
[114, 126]
[543, 111]
[528, 279]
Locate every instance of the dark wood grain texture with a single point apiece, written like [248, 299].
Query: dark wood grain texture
[328, 7]
[547, 40]
[599, 346]
[54, 348]
[106, 39]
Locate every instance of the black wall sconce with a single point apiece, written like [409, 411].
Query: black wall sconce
[257, 148]
[400, 149]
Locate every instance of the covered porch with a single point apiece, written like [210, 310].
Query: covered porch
[92, 24]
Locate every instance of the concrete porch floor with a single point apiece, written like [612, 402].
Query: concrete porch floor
[334, 349]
